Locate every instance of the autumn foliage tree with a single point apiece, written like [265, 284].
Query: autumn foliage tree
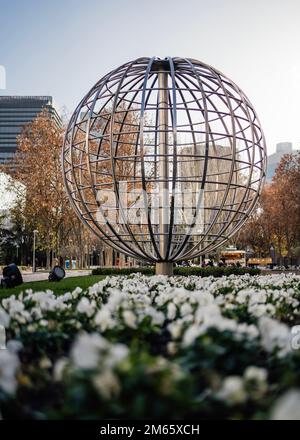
[44, 204]
[276, 220]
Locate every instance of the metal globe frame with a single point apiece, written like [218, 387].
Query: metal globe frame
[164, 159]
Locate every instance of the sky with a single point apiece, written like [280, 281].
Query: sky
[62, 47]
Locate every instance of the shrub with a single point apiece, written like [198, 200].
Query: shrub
[179, 270]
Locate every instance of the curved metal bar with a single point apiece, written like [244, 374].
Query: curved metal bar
[112, 156]
[174, 174]
[205, 249]
[233, 154]
[179, 254]
[251, 160]
[142, 122]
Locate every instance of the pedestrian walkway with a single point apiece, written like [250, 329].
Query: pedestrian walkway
[40, 276]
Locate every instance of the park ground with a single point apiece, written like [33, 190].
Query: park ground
[77, 278]
[68, 284]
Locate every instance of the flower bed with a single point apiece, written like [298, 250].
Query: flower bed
[139, 347]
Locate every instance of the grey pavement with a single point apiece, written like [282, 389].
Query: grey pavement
[40, 276]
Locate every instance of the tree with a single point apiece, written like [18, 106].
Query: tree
[287, 184]
[37, 166]
[276, 220]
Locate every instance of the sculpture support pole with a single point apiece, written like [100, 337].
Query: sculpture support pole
[164, 267]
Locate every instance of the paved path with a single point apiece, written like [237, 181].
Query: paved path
[39, 276]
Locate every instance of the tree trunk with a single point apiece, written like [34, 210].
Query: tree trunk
[48, 261]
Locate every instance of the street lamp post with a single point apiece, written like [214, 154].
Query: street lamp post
[272, 254]
[33, 253]
[17, 248]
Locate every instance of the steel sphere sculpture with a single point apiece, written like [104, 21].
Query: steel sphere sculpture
[164, 159]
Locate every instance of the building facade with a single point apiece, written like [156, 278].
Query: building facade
[282, 148]
[17, 111]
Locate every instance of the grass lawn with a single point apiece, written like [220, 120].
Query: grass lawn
[66, 285]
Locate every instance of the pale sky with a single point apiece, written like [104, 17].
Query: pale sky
[62, 47]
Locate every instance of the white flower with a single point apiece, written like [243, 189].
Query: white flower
[203, 298]
[208, 313]
[4, 318]
[13, 305]
[175, 328]
[274, 334]
[59, 368]
[31, 328]
[86, 349]
[9, 363]
[157, 317]
[41, 297]
[36, 313]
[243, 295]
[259, 297]
[249, 331]
[129, 318]
[232, 390]
[76, 292]
[253, 373]
[287, 407]
[180, 295]
[115, 298]
[171, 313]
[47, 301]
[185, 309]
[115, 355]
[104, 319]
[107, 384]
[172, 348]
[45, 363]
[259, 310]
[256, 382]
[86, 307]
[66, 296]
[191, 334]
[90, 351]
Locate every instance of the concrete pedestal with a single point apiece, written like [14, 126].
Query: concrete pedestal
[164, 268]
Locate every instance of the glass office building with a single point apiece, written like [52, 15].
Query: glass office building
[15, 112]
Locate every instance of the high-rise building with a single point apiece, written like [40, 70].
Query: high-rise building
[282, 148]
[15, 112]
[191, 169]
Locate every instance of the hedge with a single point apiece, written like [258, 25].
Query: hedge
[180, 270]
